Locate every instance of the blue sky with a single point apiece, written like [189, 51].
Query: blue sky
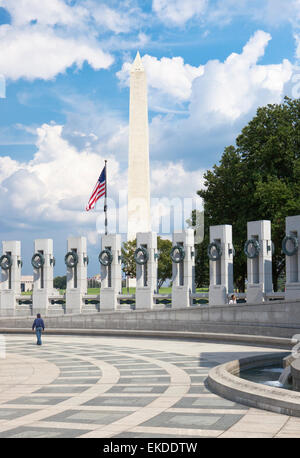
[209, 65]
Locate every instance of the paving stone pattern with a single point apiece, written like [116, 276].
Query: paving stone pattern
[116, 387]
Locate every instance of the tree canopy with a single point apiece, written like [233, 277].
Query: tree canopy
[164, 271]
[257, 179]
[60, 282]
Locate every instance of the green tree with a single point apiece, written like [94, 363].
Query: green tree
[164, 271]
[60, 282]
[201, 258]
[258, 179]
[127, 251]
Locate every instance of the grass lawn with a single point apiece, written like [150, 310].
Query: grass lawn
[131, 291]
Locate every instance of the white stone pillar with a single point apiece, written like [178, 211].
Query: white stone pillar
[111, 276]
[76, 260]
[290, 246]
[220, 252]
[146, 269]
[258, 249]
[10, 277]
[43, 264]
[183, 284]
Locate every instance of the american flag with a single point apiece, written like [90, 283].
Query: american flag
[98, 191]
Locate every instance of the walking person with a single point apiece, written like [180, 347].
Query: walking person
[39, 326]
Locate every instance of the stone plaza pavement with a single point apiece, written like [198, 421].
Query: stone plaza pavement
[109, 387]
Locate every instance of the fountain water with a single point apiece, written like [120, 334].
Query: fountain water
[289, 373]
[285, 377]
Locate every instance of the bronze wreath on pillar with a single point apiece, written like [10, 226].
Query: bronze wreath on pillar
[37, 260]
[105, 257]
[5, 261]
[177, 254]
[71, 259]
[255, 244]
[294, 240]
[218, 251]
[141, 256]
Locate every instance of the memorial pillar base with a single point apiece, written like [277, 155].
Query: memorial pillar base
[74, 301]
[292, 291]
[255, 294]
[40, 302]
[181, 297]
[218, 295]
[8, 303]
[144, 299]
[108, 300]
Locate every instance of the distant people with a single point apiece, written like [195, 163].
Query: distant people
[39, 326]
[232, 299]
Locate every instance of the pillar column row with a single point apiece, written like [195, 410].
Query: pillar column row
[258, 249]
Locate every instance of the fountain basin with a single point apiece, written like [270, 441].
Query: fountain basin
[224, 380]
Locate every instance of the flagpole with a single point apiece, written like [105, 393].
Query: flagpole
[105, 199]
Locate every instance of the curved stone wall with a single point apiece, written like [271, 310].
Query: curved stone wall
[224, 380]
[277, 318]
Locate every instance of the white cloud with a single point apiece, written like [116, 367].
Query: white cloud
[90, 15]
[47, 12]
[178, 12]
[45, 38]
[111, 19]
[171, 180]
[106, 130]
[165, 77]
[32, 52]
[2, 87]
[222, 101]
[297, 39]
[223, 12]
[237, 86]
[125, 43]
[228, 89]
[125, 19]
[7, 167]
[36, 191]
[173, 191]
[53, 188]
[276, 12]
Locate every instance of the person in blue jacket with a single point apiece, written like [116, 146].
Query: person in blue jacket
[39, 326]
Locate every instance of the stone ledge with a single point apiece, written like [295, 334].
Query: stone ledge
[278, 342]
[223, 381]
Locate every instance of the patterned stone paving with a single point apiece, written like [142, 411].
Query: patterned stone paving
[104, 387]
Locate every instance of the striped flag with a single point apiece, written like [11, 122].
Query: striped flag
[98, 191]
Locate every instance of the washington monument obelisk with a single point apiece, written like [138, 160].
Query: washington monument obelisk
[139, 217]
